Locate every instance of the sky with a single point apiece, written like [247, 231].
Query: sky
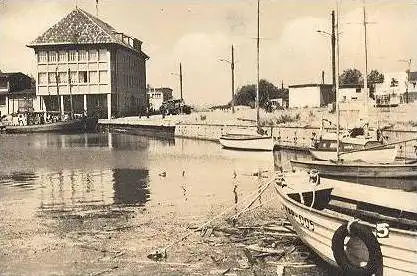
[198, 33]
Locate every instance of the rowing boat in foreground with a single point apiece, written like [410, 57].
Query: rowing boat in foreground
[363, 230]
[397, 169]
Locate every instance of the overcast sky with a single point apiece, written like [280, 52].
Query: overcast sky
[200, 32]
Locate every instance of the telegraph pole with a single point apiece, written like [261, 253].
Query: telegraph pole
[334, 52]
[232, 65]
[181, 80]
[257, 73]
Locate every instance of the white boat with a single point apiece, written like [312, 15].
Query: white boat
[248, 141]
[353, 149]
[363, 230]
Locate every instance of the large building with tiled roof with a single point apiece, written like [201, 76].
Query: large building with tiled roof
[83, 60]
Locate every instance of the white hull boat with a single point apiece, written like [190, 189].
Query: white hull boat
[363, 230]
[247, 142]
[380, 155]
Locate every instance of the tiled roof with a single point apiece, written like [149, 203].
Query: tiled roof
[79, 27]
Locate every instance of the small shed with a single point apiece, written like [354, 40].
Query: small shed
[311, 95]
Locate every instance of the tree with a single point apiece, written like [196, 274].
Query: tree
[375, 77]
[350, 77]
[246, 95]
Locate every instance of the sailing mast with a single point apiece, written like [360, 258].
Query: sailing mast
[257, 73]
[337, 83]
[365, 79]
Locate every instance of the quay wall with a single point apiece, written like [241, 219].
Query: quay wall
[285, 137]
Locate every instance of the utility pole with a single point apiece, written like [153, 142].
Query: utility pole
[232, 65]
[334, 53]
[181, 80]
[257, 73]
[57, 92]
[365, 78]
[70, 92]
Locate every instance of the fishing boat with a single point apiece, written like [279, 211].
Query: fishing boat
[358, 228]
[354, 145]
[360, 169]
[71, 125]
[259, 141]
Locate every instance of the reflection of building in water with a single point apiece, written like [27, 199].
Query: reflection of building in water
[77, 189]
[131, 186]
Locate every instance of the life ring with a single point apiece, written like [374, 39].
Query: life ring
[354, 229]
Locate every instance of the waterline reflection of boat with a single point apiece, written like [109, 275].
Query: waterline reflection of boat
[363, 230]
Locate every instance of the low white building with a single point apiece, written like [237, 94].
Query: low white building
[310, 95]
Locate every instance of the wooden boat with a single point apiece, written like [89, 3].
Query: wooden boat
[81, 124]
[353, 149]
[363, 230]
[255, 142]
[396, 169]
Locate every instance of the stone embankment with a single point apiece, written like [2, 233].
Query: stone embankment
[291, 130]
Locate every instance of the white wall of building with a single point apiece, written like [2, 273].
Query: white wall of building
[304, 96]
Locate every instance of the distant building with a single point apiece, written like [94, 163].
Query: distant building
[412, 86]
[16, 93]
[156, 96]
[311, 95]
[84, 59]
[393, 90]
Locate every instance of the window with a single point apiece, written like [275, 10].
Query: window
[93, 77]
[42, 78]
[52, 56]
[62, 77]
[62, 56]
[72, 55]
[52, 77]
[2, 99]
[82, 55]
[73, 76]
[103, 55]
[82, 77]
[103, 77]
[42, 56]
[92, 54]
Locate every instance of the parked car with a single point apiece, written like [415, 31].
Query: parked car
[174, 107]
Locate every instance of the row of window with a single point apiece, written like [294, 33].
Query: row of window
[74, 77]
[72, 56]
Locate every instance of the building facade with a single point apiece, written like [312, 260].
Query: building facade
[17, 93]
[85, 66]
[156, 96]
[310, 95]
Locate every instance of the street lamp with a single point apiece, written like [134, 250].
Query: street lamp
[232, 66]
[408, 76]
[180, 75]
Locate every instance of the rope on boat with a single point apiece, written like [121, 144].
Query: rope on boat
[161, 253]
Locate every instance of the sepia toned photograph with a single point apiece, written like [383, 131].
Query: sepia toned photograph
[208, 137]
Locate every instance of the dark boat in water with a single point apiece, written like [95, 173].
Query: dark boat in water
[73, 125]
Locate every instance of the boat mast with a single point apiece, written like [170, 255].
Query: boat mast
[70, 92]
[337, 82]
[57, 92]
[257, 73]
[365, 78]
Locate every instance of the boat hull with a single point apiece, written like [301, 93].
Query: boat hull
[65, 126]
[247, 142]
[316, 229]
[379, 155]
[359, 169]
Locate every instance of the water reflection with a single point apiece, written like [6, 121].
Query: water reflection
[130, 186]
